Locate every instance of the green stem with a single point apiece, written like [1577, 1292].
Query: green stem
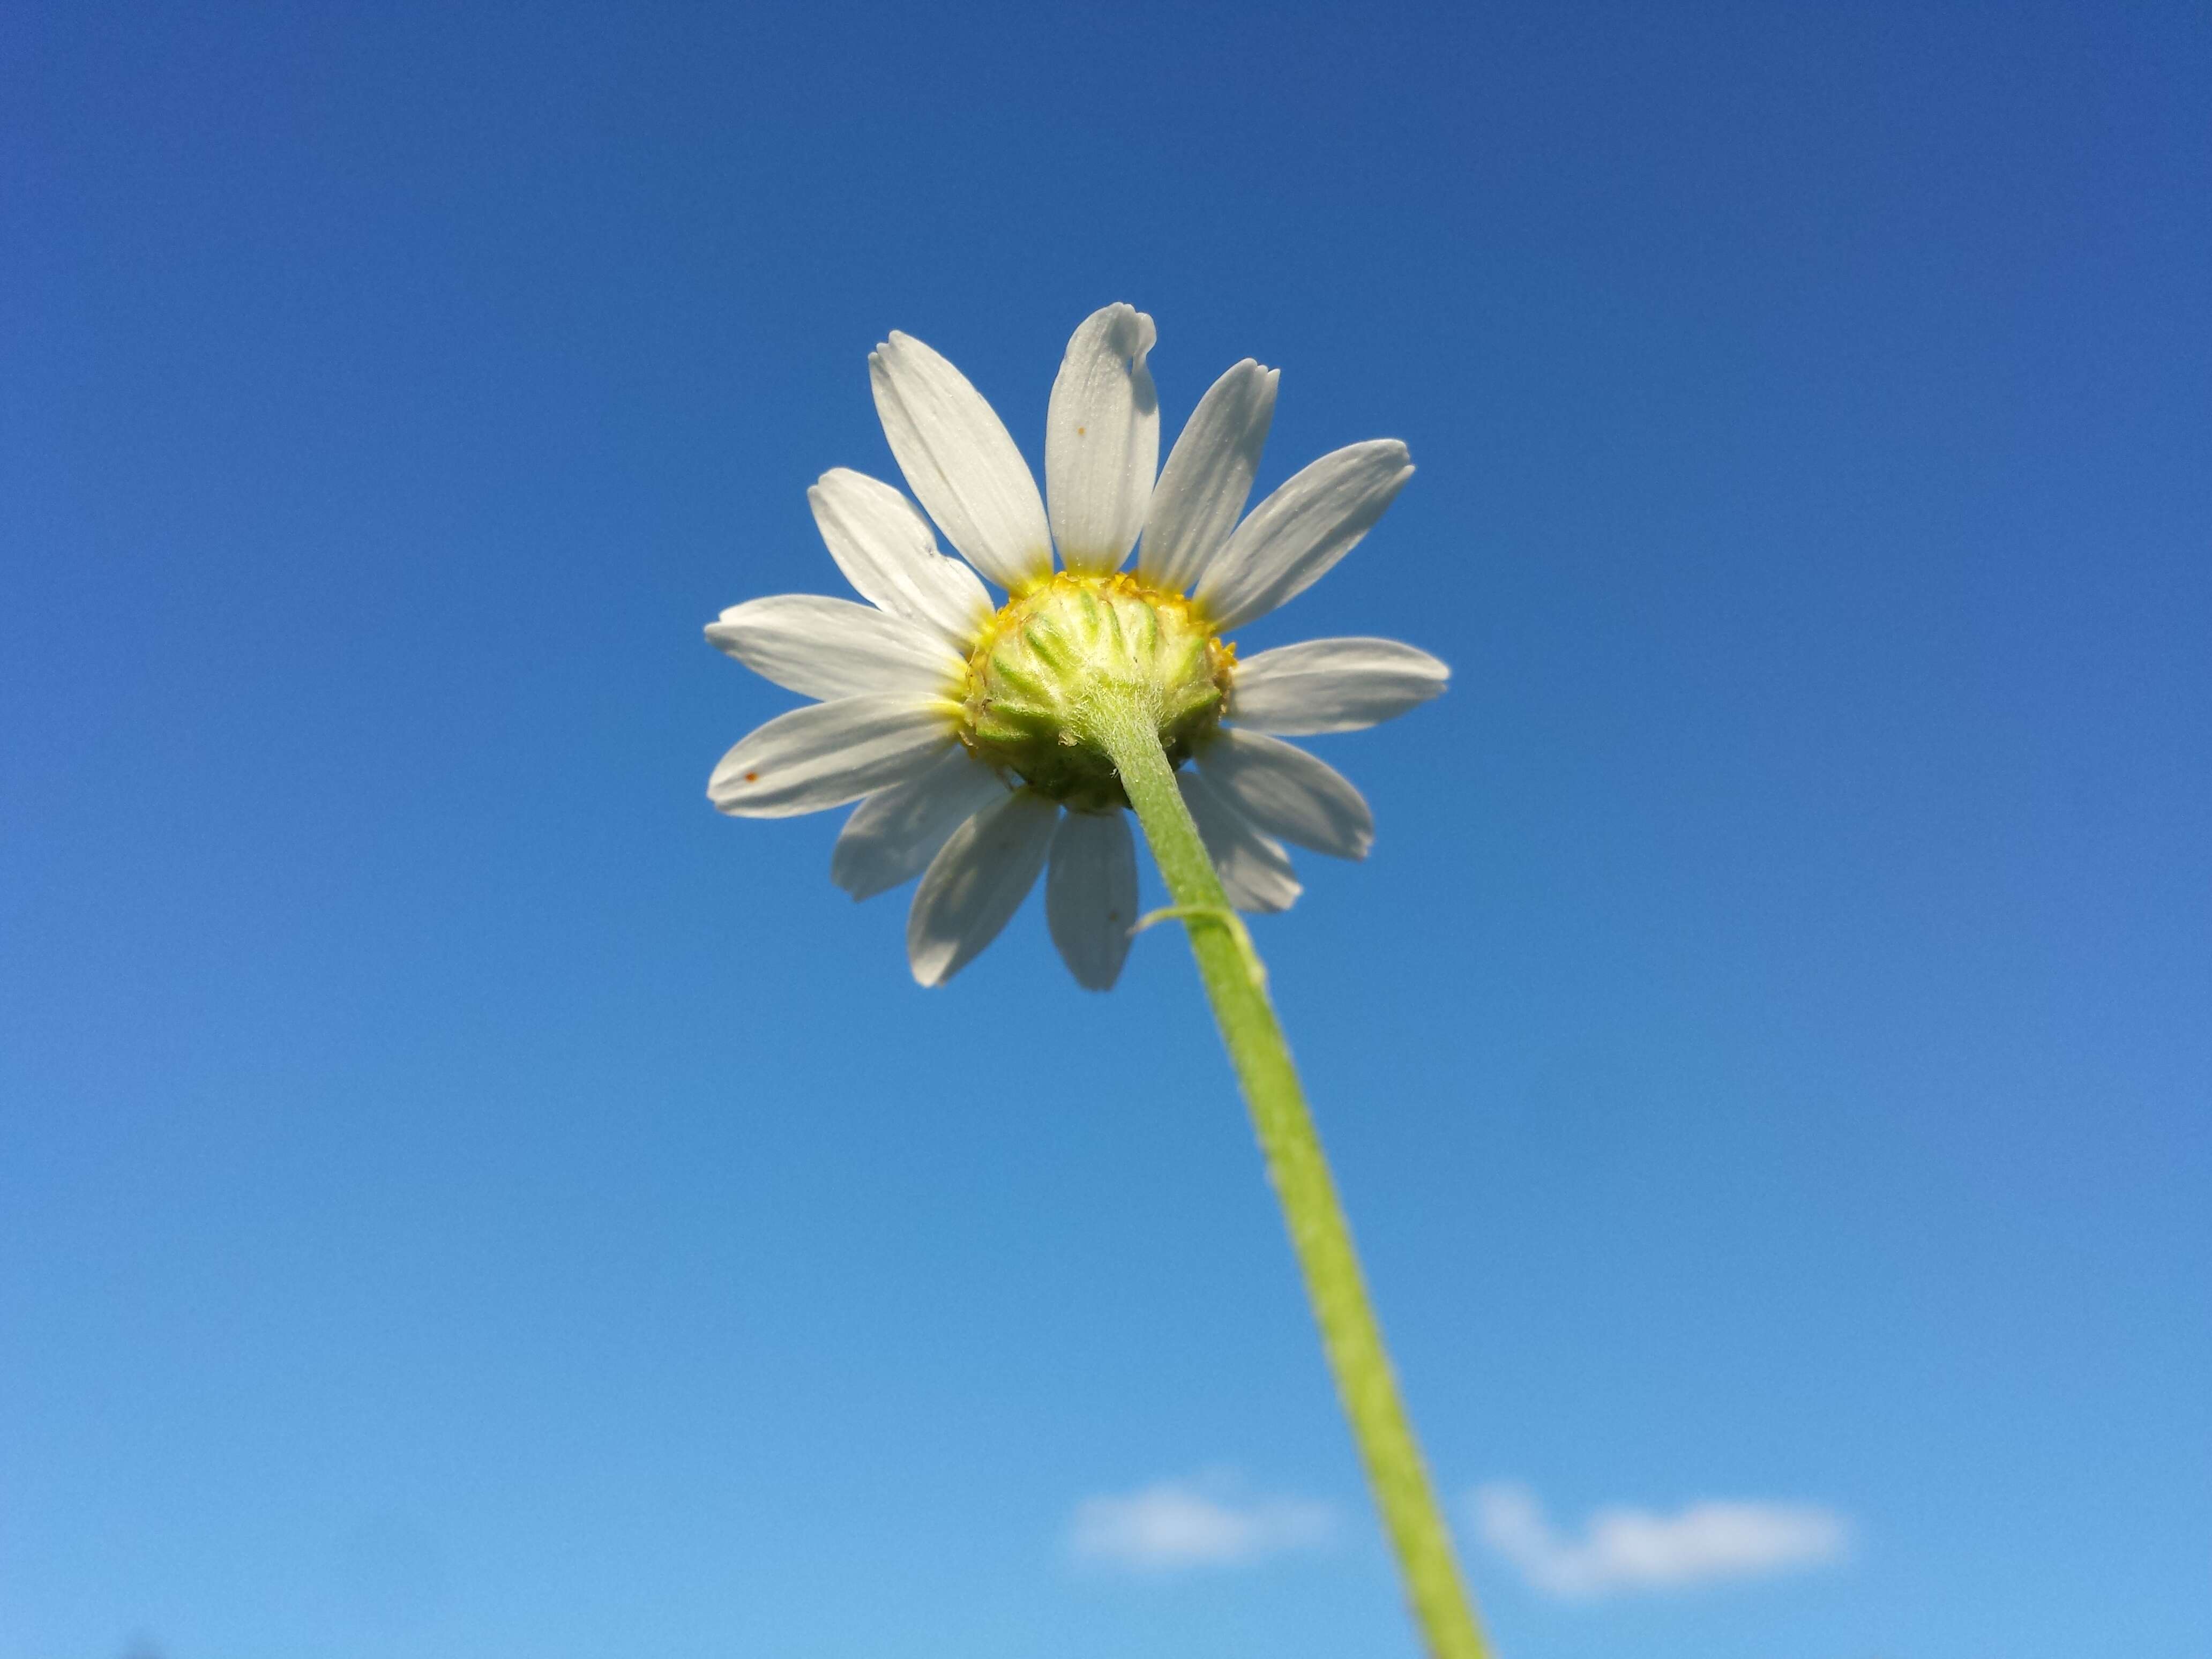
[1236, 985]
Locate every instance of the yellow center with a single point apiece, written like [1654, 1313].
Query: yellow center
[1047, 657]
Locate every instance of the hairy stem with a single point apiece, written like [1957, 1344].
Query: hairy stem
[1235, 983]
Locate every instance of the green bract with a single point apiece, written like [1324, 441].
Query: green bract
[1046, 660]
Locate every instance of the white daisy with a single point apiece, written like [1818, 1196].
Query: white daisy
[944, 716]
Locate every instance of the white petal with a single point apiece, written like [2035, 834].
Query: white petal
[976, 882]
[885, 547]
[1101, 439]
[893, 834]
[829, 753]
[824, 648]
[1333, 685]
[1255, 870]
[1208, 477]
[1286, 792]
[960, 463]
[1091, 896]
[1295, 535]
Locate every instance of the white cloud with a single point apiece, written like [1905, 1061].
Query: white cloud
[1636, 1549]
[1203, 1524]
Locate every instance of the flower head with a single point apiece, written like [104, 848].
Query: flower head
[961, 726]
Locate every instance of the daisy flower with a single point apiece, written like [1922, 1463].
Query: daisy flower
[987, 744]
[956, 723]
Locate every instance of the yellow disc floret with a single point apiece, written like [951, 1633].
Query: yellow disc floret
[1049, 657]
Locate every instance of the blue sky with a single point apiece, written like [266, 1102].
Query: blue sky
[462, 1196]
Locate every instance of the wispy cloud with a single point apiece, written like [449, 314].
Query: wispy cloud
[1636, 1549]
[1203, 1524]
